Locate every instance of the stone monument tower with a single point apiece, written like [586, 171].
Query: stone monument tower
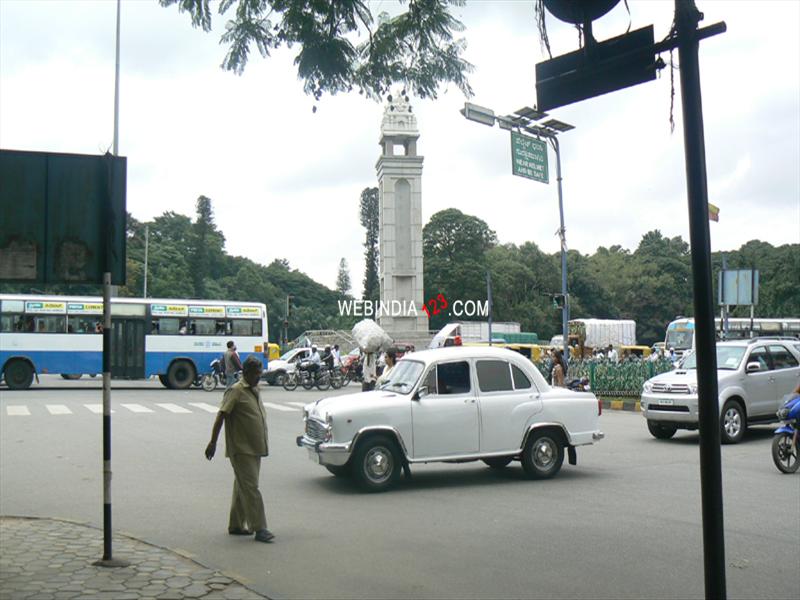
[400, 187]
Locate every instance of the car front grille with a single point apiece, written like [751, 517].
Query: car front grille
[671, 388]
[315, 430]
[668, 408]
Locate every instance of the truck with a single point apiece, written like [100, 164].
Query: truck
[595, 334]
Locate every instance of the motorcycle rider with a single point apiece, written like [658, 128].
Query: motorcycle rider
[328, 358]
[315, 362]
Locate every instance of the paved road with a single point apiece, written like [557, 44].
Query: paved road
[624, 523]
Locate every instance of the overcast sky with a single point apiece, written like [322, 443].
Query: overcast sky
[285, 182]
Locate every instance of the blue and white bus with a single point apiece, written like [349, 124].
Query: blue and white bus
[172, 339]
[680, 332]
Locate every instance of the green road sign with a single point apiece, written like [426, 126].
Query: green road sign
[529, 157]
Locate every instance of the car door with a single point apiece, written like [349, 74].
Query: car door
[506, 398]
[445, 420]
[760, 385]
[786, 372]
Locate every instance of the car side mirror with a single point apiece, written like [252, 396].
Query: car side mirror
[420, 393]
[753, 367]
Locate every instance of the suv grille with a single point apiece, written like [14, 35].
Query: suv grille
[671, 388]
[316, 430]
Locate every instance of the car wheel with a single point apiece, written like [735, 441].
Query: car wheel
[661, 431]
[376, 464]
[339, 470]
[279, 378]
[785, 459]
[732, 423]
[180, 375]
[18, 375]
[543, 454]
[498, 462]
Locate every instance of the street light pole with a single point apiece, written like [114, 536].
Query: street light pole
[563, 235]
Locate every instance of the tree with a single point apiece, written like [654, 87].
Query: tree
[206, 247]
[343, 278]
[370, 221]
[454, 247]
[415, 48]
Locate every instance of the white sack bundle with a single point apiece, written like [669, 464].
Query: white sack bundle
[370, 337]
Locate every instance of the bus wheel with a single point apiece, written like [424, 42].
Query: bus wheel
[180, 375]
[18, 374]
[164, 381]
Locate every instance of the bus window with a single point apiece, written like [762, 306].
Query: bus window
[50, 324]
[8, 322]
[245, 327]
[166, 326]
[81, 324]
[203, 327]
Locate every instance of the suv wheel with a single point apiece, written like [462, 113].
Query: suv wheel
[732, 423]
[543, 454]
[660, 430]
[376, 464]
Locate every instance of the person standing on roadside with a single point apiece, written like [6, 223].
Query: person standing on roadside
[246, 441]
[233, 364]
[370, 374]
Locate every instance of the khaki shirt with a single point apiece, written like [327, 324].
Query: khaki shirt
[245, 421]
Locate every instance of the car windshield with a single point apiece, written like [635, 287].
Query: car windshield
[289, 354]
[403, 376]
[728, 358]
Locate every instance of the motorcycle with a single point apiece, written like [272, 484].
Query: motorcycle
[578, 385]
[216, 376]
[352, 371]
[785, 443]
[305, 375]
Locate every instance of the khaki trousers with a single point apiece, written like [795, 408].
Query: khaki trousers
[247, 506]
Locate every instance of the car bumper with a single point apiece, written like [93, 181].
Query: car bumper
[325, 453]
[675, 408]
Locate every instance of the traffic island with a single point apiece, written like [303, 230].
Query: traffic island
[52, 558]
[621, 403]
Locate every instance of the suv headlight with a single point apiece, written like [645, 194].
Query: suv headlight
[648, 387]
[692, 388]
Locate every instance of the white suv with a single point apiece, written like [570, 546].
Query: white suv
[752, 378]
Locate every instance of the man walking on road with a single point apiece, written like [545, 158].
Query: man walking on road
[246, 441]
[233, 364]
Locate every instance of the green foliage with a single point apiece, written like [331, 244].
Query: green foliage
[415, 48]
[343, 278]
[370, 221]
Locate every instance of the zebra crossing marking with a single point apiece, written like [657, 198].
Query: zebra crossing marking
[137, 408]
[96, 408]
[204, 406]
[173, 408]
[298, 404]
[280, 407]
[58, 409]
[17, 411]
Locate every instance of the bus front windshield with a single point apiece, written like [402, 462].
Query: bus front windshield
[679, 338]
[728, 358]
[403, 377]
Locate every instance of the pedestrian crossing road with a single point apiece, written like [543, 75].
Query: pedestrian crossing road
[28, 409]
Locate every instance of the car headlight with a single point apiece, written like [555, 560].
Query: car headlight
[648, 387]
[692, 388]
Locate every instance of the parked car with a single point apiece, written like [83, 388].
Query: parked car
[454, 404]
[752, 378]
[277, 369]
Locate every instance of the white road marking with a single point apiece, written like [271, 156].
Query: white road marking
[96, 408]
[17, 411]
[206, 407]
[298, 404]
[173, 408]
[58, 409]
[280, 407]
[137, 408]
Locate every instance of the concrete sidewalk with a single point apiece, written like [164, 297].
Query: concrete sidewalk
[50, 558]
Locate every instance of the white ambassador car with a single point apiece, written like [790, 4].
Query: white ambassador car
[452, 404]
[752, 378]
